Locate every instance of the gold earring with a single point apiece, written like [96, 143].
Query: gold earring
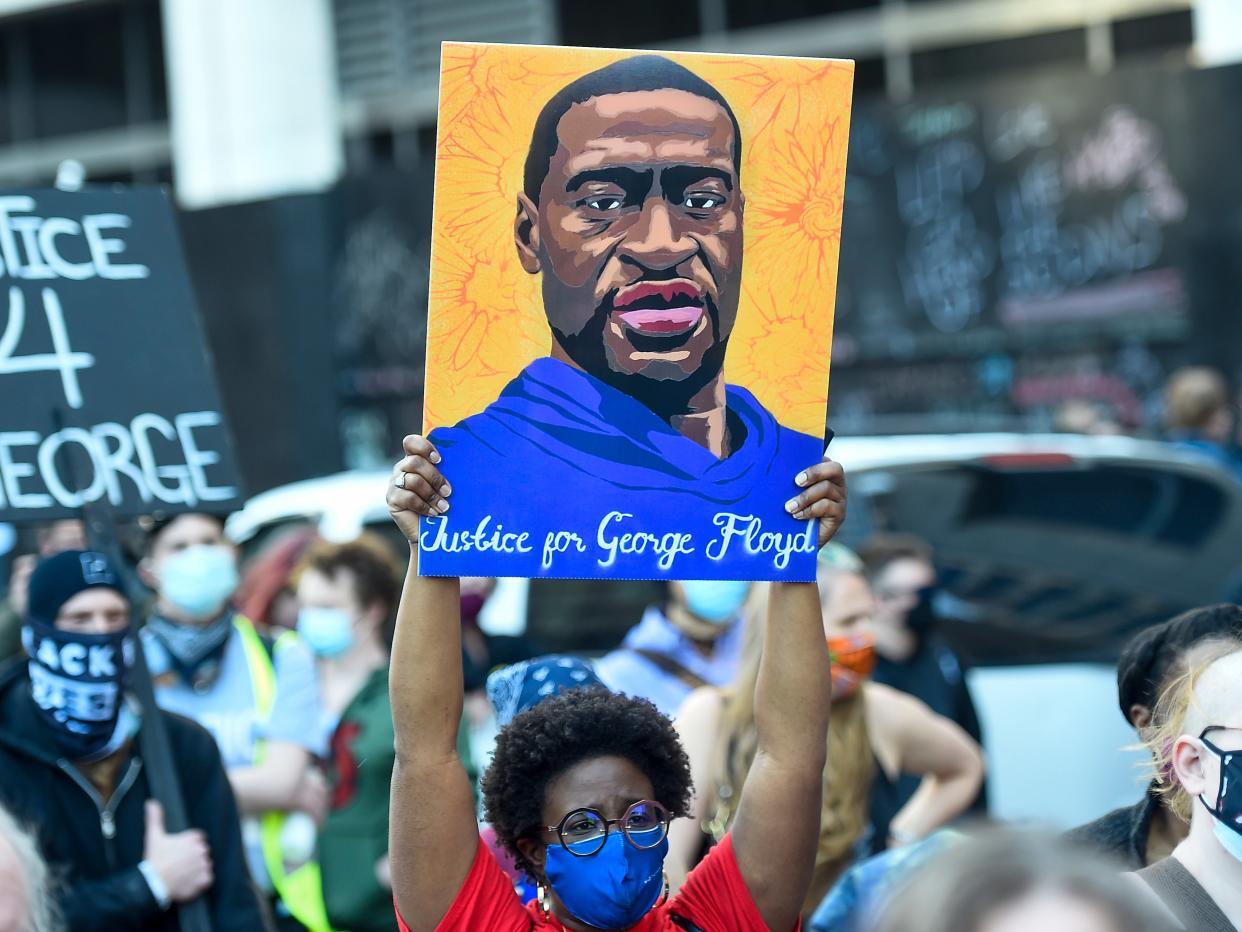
[545, 904]
[664, 898]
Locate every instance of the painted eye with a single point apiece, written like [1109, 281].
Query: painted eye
[605, 203]
[703, 201]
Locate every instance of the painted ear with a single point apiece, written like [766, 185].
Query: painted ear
[526, 233]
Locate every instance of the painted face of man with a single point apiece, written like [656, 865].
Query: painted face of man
[638, 234]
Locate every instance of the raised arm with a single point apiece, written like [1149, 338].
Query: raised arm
[433, 835]
[776, 831]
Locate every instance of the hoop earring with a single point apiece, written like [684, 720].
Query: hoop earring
[664, 896]
[545, 903]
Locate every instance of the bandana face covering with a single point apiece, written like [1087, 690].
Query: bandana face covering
[1228, 810]
[853, 661]
[77, 682]
[195, 651]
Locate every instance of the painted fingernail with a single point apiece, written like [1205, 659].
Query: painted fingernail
[442, 506]
[435, 457]
[801, 480]
[446, 489]
[792, 505]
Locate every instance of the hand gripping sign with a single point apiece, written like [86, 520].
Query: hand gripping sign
[634, 269]
[106, 391]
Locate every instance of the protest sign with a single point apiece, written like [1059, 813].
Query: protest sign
[634, 265]
[106, 392]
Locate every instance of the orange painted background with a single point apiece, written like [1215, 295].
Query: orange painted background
[485, 319]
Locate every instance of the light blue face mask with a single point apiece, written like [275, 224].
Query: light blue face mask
[199, 580]
[329, 632]
[714, 600]
[1229, 839]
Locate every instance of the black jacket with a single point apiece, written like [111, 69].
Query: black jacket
[94, 848]
[1121, 834]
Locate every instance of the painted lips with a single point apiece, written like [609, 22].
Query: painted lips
[661, 308]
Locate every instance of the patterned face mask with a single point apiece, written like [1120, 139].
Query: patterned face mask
[1228, 809]
[853, 660]
[77, 682]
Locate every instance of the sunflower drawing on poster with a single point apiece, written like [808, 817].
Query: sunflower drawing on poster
[633, 273]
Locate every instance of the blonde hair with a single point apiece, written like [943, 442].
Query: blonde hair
[1169, 718]
[41, 912]
[1193, 396]
[962, 889]
[847, 776]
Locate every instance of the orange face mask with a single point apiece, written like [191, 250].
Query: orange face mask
[853, 660]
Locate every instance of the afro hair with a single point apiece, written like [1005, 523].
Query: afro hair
[545, 741]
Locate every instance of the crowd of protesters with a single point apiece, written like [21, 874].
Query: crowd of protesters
[749, 757]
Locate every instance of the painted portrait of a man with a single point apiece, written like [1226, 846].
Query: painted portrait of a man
[625, 450]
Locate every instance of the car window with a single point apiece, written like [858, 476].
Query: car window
[1166, 507]
[1058, 563]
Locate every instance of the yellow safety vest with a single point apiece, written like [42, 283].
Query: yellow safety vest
[300, 890]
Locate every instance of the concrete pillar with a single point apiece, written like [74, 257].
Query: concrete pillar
[1218, 31]
[253, 99]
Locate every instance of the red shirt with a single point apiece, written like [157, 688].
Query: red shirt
[714, 898]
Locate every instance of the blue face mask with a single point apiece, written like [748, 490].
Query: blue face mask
[199, 580]
[717, 601]
[329, 632]
[611, 889]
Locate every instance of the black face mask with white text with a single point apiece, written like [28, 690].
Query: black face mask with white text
[77, 682]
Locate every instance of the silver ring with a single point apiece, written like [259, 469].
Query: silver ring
[399, 480]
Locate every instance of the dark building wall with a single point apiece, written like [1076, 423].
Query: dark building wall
[261, 275]
[314, 308]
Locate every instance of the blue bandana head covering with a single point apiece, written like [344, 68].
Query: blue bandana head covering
[521, 686]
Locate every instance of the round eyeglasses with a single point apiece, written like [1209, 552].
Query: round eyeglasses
[583, 831]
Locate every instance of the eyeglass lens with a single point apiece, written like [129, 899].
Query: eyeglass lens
[584, 831]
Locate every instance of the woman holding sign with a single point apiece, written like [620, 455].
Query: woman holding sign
[583, 786]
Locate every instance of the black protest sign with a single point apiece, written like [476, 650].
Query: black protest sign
[106, 391]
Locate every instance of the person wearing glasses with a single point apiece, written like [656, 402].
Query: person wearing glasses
[583, 786]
